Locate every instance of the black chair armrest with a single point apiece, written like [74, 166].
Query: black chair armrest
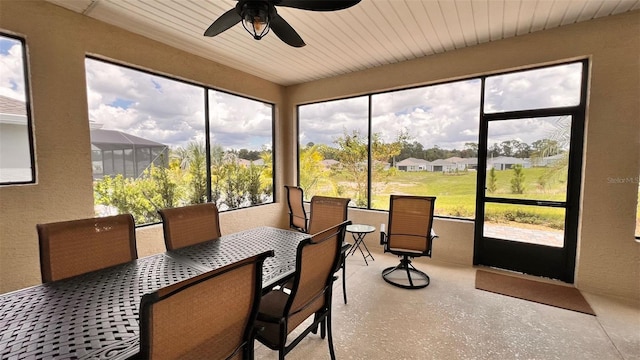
[383, 238]
[268, 318]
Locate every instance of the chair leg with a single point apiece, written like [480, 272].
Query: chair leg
[323, 328]
[330, 338]
[344, 278]
[409, 276]
[406, 266]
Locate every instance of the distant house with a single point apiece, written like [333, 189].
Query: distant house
[247, 163]
[463, 163]
[507, 162]
[548, 160]
[442, 165]
[114, 152]
[412, 164]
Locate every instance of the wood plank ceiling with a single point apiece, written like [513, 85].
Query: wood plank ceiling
[370, 34]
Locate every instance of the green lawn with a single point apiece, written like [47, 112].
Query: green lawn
[456, 194]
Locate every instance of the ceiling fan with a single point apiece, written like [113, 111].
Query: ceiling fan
[258, 16]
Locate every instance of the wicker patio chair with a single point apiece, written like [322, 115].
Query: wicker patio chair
[75, 247]
[190, 225]
[327, 212]
[209, 316]
[410, 235]
[297, 214]
[281, 313]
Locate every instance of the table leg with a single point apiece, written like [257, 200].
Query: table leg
[359, 240]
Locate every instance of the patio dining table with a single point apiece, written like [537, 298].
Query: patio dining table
[95, 315]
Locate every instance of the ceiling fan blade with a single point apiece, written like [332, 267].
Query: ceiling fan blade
[224, 22]
[317, 5]
[285, 32]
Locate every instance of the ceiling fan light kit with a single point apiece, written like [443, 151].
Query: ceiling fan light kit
[260, 16]
[256, 19]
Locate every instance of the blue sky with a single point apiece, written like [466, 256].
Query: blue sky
[5, 45]
[11, 65]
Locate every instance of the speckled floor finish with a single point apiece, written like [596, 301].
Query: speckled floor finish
[450, 319]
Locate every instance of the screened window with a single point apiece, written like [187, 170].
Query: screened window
[16, 147]
[151, 148]
[333, 157]
[425, 140]
[549, 87]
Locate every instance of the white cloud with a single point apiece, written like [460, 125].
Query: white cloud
[12, 70]
[172, 112]
[447, 115]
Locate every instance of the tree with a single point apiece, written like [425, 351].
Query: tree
[253, 184]
[517, 182]
[494, 151]
[470, 150]
[411, 150]
[492, 184]
[266, 173]
[435, 153]
[353, 157]
[311, 169]
[193, 160]
[235, 181]
[506, 147]
[217, 173]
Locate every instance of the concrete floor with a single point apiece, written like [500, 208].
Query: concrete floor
[450, 319]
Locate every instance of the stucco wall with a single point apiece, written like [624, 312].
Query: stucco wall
[57, 42]
[608, 256]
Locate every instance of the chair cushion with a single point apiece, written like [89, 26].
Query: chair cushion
[272, 305]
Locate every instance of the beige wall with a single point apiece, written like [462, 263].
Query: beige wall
[608, 256]
[58, 40]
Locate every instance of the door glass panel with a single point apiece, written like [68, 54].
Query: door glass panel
[525, 223]
[528, 158]
[549, 87]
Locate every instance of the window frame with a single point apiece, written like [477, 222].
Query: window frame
[29, 113]
[481, 77]
[206, 120]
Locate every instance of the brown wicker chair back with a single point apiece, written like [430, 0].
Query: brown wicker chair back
[190, 225]
[327, 212]
[281, 313]
[410, 222]
[297, 214]
[410, 234]
[75, 247]
[209, 316]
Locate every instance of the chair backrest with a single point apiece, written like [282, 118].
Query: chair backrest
[209, 316]
[297, 213]
[410, 222]
[189, 225]
[75, 247]
[316, 260]
[327, 212]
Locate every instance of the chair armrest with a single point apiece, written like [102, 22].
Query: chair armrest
[383, 234]
[268, 318]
